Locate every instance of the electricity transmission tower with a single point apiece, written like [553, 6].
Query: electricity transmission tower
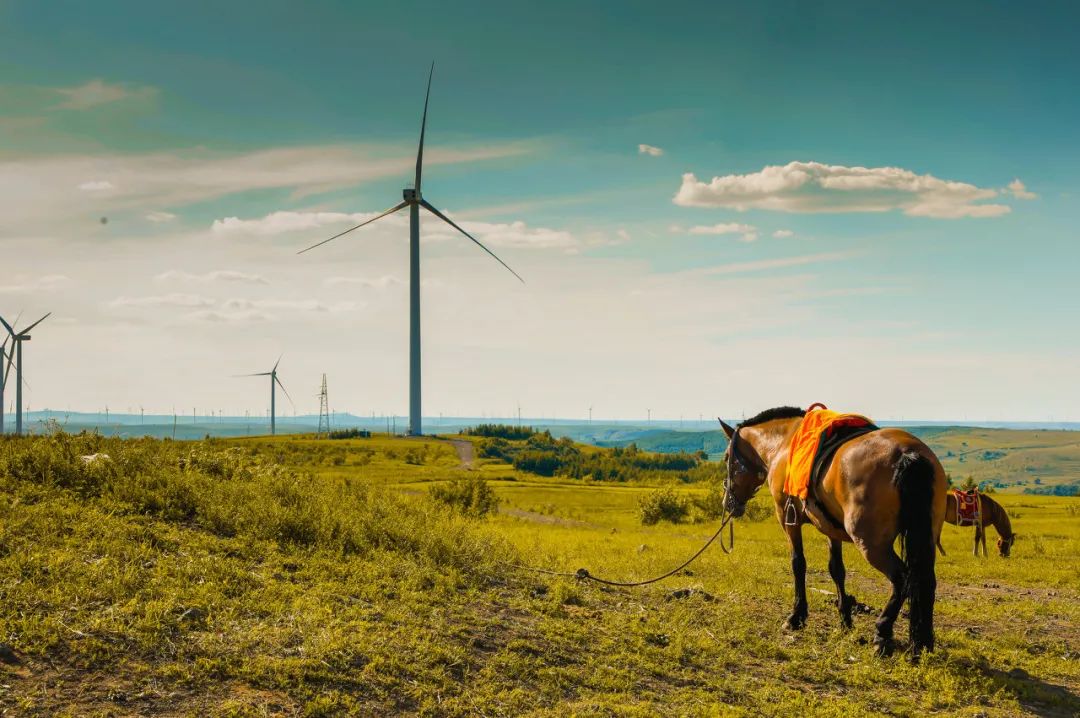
[324, 409]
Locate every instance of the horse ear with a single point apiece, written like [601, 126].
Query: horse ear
[727, 429]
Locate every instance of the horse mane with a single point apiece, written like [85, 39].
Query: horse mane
[779, 412]
[998, 516]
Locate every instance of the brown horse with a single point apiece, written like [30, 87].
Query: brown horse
[992, 513]
[879, 486]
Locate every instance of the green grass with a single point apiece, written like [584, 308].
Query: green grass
[290, 576]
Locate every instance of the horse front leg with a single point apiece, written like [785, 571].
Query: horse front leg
[978, 535]
[844, 602]
[801, 610]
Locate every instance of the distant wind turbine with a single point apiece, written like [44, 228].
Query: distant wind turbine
[274, 383]
[18, 337]
[414, 200]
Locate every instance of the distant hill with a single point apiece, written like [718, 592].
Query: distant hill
[1034, 458]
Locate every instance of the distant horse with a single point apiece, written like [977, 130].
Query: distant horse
[879, 485]
[990, 512]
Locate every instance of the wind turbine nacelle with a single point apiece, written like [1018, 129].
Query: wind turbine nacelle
[409, 194]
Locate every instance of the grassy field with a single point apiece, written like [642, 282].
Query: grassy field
[291, 576]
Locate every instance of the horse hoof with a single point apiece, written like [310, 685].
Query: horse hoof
[884, 646]
[794, 622]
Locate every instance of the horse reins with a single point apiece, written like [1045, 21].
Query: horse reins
[734, 457]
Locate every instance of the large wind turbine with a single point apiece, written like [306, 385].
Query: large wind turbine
[273, 393]
[15, 354]
[414, 200]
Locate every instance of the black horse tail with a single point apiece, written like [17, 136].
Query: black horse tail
[914, 479]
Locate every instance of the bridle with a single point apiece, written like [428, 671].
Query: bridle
[736, 459]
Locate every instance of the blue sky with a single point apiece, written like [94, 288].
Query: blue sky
[948, 280]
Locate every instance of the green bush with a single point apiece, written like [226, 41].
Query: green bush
[471, 496]
[544, 463]
[502, 431]
[711, 505]
[348, 434]
[663, 505]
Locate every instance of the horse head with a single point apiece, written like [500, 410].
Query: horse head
[1005, 545]
[746, 471]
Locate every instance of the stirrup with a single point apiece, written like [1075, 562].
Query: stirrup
[791, 516]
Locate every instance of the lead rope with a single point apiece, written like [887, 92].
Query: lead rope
[582, 574]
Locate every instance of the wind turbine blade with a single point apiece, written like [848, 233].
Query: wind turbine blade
[277, 362]
[393, 209]
[10, 329]
[263, 373]
[39, 321]
[423, 127]
[443, 217]
[283, 389]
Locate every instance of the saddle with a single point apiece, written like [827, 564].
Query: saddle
[967, 507]
[820, 435]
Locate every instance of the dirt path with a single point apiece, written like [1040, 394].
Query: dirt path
[464, 451]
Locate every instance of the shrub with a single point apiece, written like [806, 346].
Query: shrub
[471, 496]
[501, 431]
[663, 505]
[544, 463]
[711, 505]
[349, 434]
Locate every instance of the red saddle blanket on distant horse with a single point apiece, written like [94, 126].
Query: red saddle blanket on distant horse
[967, 508]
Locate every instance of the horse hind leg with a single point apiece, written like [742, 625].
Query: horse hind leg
[978, 532]
[884, 559]
[844, 601]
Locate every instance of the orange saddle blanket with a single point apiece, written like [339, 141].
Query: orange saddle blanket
[820, 429]
[967, 507]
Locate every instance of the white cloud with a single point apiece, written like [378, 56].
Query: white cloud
[517, 234]
[748, 232]
[215, 316]
[98, 92]
[220, 275]
[780, 263]
[97, 186]
[164, 300]
[295, 305]
[623, 235]
[284, 221]
[145, 182]
[506, 234]
[1018, 190]
[783, 233]
[160, 217]
[46, 283]
[384, 282]
[817, 187]
[649, 150]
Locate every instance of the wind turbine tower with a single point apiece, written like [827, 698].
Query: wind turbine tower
[274, 383]
[414, 200]
[6, 361]
[18, 338]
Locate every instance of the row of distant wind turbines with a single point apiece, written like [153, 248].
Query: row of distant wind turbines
[411, 198]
